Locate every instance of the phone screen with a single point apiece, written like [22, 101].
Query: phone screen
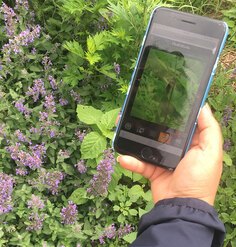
[167, 88]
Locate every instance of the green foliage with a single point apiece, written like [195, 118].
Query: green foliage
[222, 98]
[95, 142]
[81, 43]
[230, 18]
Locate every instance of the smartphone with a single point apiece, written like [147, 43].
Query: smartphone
[169, 85]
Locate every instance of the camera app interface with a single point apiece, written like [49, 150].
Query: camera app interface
[166, 90]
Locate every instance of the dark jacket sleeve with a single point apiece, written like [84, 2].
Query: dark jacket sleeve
[180, 222]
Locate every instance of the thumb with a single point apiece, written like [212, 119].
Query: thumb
[134, 165]
[210, 132]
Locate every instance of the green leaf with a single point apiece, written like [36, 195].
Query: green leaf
[116, 208]
[68, 169]
[108, 71]
[35, 68]
[141, 212]
[133, 212]
[130, 237]
[135, 192]
[95, 43]
[13, 94]
[107, 133]
[148, 196]
[121, 218]
[93, 145]
[93, 58]
[109, 118]
[227, 159]
[88, 114]
[127, 173]
[74, 47]
[79, 196]
[91, 46]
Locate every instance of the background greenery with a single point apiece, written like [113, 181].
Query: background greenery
[88, 49]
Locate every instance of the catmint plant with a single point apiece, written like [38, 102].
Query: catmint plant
[69, 214]
[6, 188]
[100, 181]
[81, 167]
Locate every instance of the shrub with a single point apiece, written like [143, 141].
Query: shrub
[64, 71]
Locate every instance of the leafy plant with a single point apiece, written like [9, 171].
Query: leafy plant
[64, 72]
[95, 142]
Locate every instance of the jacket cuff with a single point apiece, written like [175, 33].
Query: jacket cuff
[186, 209]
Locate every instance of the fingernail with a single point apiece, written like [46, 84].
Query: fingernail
[118, 158]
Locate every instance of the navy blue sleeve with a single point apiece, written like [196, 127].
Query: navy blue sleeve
[180, 222]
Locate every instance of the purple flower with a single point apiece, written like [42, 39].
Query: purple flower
[6, 188]
[14, 150]
[47, 63]
[80, 134]
[32, 159]
[38, 150]
[33, 51]
[21, 137]
[22, 3]
[117, 68]
[37, 90]
[36, 222]
[21, 108]
[64, 153]
[122, 231]
[10, 19]
[227, 115]
[52, 181]
[43, 116]
[80, 166]
[69, 214]
[52, 82]
[52, 133]
[23, 39]
[63, 102]
[227, 145]
[35, 130]
[102, 23]
[233, 75]
[21, 171]
[76, 96]
[109, 232]
[49, 103]
[35, 202]
[2, 131]
[100, 181]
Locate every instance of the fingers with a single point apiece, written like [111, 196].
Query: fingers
[209, 130]
[195, 139]
[137, 166]
[118, 118]
[131, 164]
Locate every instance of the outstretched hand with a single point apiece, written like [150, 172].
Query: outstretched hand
[198, 173]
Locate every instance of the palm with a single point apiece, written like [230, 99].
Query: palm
[166, 184]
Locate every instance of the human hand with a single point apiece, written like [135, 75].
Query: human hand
[198, 173]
